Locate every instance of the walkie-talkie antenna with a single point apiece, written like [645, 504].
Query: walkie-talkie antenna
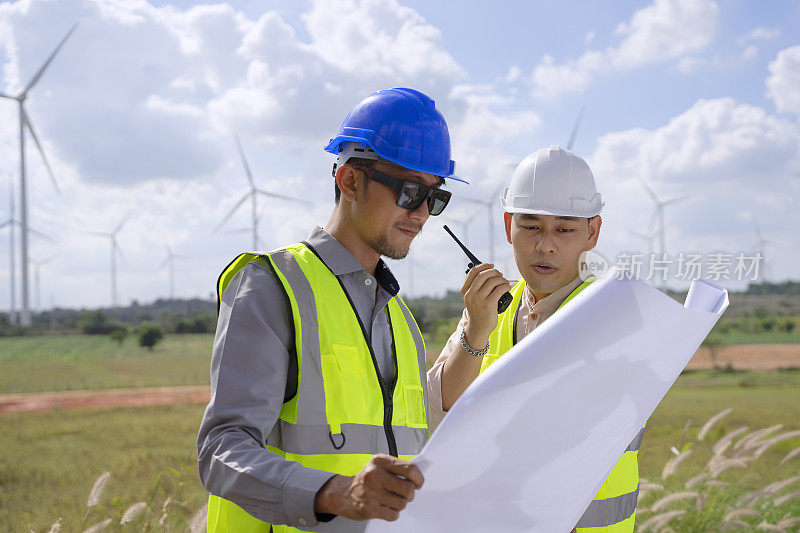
[474, 260]
[506, 299]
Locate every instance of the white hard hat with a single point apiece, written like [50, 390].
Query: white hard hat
[553, 181]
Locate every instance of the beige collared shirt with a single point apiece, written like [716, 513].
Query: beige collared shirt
[531, 315]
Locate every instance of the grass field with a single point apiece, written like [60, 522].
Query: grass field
[52, 459]
[76, 362]
[772, 337]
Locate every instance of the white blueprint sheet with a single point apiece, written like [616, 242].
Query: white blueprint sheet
[530, 442]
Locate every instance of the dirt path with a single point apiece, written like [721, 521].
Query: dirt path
[742, 357]
[46, 401]
[750, 357]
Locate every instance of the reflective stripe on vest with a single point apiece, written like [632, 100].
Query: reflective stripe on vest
[613, 508]
[339, 417]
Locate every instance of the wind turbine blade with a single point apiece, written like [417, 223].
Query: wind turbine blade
[163, 263]
[6, 223]
[41, 235]
[496, 192]
[4, 95]
[649, 191]
[232, 211]
[28, 123]
[98, 233]
[471, 218]
[122, 223]
[240, 230]
[473, 200]
[115, 244]
[41, 70]
[244, 163]
[574, 133]
[673, 200]
[48, 259]
[637, 234]
[282, 197]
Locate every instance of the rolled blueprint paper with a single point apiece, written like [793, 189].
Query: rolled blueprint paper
[706, 296]
[530, 442]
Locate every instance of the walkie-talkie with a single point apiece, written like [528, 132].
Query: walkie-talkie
[505, 299]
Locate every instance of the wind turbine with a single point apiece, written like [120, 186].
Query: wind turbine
[252, 195]
[12, 312]
[12, 222]
[658, 214]
[170, 262]
[115, 249]
[489, 205]
[649, 238]
[761, 243]
[37, 267]
[25, 122]
[464, 223]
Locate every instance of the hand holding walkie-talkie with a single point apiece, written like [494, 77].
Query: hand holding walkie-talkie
[505, 299]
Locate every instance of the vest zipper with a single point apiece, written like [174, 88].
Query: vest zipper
[385, 392]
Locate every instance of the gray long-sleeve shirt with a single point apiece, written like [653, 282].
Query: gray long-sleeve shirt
[249, 366]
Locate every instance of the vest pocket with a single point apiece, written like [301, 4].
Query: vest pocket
[414, 406]
[345, 386]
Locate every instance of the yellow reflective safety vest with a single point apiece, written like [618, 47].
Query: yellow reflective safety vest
[613, 509]
[339, 411]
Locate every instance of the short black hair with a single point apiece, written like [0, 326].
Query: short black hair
[353, 161]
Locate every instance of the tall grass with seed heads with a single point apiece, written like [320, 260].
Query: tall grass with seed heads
[724, 486]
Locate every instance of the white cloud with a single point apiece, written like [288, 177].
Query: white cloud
[379, 37]
[728, 157]
[759, 33]
[749, 52]
[138, 109]
[689, 64]
[514, 74]
[783, 83]
[663, 31]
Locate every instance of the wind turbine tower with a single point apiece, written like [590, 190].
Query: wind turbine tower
[12, 256]
[761, 244]
[115, 250]
[37, 267]
[169, 261]
[25, 123]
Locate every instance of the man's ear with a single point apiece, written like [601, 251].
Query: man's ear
[594, 231]
[347, 178]
[508, 218]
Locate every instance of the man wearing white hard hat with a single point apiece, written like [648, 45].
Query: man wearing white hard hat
[552, 215]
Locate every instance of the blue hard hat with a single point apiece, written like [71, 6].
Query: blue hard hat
[402, 126]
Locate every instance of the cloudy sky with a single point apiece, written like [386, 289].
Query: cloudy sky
[137, 115]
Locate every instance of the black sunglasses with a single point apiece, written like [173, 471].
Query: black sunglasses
[410, 194]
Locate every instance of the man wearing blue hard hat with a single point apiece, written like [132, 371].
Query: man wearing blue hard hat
[318, 381]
